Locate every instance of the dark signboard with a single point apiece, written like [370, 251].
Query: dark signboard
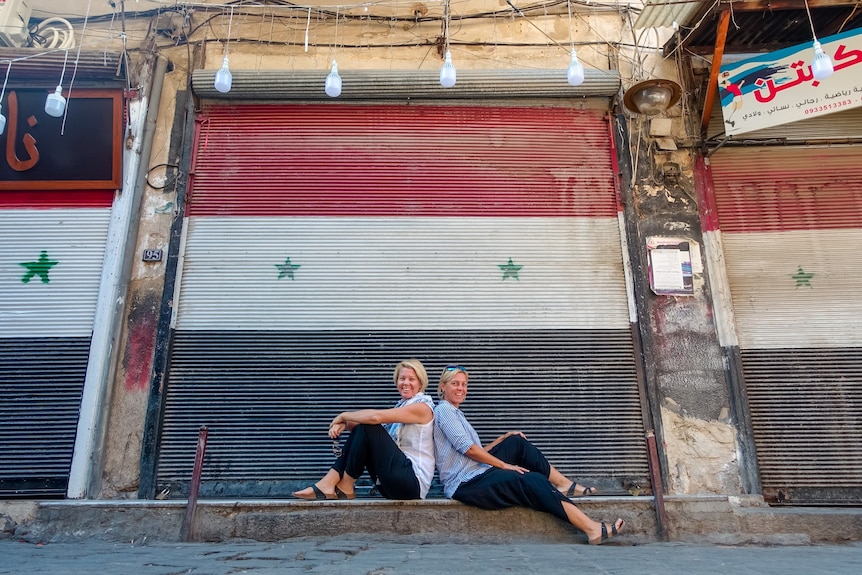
[80, 150]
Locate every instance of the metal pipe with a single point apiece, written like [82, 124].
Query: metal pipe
[657, 486]
[186, 530]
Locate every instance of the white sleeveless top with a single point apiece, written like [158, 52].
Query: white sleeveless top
[416, 440]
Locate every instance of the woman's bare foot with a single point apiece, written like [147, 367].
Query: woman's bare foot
[605, 531]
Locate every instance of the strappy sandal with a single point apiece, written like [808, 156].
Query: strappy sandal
[318, 494]
[342, 495]
[586, 491]
[605, 536]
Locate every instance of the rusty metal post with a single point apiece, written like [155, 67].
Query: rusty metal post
[191, 505]
[657, 486]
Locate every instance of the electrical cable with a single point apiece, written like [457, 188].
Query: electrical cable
[60, 38]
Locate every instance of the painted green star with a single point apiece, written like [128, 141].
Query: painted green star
[286, 269]
[802, 279]
[510, 270]
[40, 268]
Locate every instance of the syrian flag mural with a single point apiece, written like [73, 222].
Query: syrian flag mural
[323, 244]
[791, 226]
[50, 267]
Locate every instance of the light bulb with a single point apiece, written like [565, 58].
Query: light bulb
[55, 104]
[333, 82]
[2, 121]
[223, 78]
[575, 71]
[821, 66]
[447, 72]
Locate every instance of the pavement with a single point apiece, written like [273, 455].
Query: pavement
[356, 555]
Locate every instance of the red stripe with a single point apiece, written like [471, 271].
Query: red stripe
[705, 195]
[331, 160]
[43, 199]
[785, 189]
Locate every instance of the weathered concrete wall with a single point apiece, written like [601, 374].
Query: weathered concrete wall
[685, 371]
[120, 476]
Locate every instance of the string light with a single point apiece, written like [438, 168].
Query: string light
[448, 73]
[223, 78]
[575, 73]
[332, 85]
[821, 65]
[333, 82]
[2, 95]
[55, 103]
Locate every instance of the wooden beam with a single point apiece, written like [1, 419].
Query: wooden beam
[720, 37]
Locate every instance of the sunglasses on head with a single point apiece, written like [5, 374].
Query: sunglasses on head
[455, 368]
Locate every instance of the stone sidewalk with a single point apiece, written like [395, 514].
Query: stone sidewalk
[360, 556]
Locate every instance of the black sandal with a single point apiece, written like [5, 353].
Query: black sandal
[605, 536]
[586, 491]
[318, 494]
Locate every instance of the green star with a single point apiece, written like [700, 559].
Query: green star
[802, 278]
[40, 268]
[287, 269]
[510, 270]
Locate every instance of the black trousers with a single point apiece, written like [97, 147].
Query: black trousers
[371, 447]
[501, 488]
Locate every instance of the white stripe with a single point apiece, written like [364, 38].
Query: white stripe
[720, 290]
[774, 310]
[65, 306]
[403, 273]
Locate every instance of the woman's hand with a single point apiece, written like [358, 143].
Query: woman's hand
[337, 426]
[511, 433]
[518, 468]
[336, 429]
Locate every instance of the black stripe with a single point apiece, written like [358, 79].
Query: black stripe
[267, 398]
[806, 415]
[41, 381]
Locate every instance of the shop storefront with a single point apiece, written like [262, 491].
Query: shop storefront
[323, 243]
[58, 181]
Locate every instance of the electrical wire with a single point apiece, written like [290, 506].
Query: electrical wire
[60, 38]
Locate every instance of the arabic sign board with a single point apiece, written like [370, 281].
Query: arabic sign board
[779, 87]
[82, 151]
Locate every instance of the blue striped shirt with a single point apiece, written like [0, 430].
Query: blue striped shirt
[453, 436]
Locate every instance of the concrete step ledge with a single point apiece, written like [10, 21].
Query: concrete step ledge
[721, 520]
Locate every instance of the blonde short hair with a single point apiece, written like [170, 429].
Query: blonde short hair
[449, 373]
[417, 367]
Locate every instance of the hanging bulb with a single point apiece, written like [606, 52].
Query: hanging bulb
[821, 66]
[223, 78]
[2, 121]
[575, 71]
[447, 72]
[55, 104]
[333, 82]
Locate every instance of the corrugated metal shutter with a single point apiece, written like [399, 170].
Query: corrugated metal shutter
[325, 243]
[46, 321]
[791, 224]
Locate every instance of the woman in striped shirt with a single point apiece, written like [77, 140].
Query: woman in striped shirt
[508, 472]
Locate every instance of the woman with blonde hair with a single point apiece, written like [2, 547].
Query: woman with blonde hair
[508, 472]
[395, 445]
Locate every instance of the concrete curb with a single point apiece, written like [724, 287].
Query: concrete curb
[716, 520]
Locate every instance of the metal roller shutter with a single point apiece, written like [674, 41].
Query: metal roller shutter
[791, 224]
[50, 268]
[325, 243]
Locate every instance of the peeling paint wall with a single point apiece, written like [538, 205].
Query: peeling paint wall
[697, 452]
[685, 371]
